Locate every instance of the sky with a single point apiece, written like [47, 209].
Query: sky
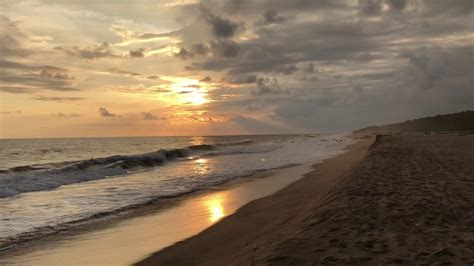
[86, 68]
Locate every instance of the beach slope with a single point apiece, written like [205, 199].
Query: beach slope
[409, 201]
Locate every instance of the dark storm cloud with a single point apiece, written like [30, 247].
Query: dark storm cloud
[220, 26]
[57, 99]
[105, 113]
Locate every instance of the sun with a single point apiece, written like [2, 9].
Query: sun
[190, 91]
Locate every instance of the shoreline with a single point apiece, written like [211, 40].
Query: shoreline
[42, 250]
[237, 230]
[408, 201]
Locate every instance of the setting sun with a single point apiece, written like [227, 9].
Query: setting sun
[190, 91]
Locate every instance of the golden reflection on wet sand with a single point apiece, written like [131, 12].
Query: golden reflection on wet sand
[216, 207]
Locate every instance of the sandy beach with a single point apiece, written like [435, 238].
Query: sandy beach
[406, 200]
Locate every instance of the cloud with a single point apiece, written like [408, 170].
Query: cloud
[309, 68]
[55, 74]
[252, 7]
[65, 115]
[225, 48]
[184, 53]
[23, 78]
[398, 5]
[271, 17]
[120, 72]
[221, 27]
[149, 116]
[124, 72]
[446, 8]
[102, 50]
[219, 48]
[268, 86]
[206, 79]
[243, 79]
[137, 53]
[253, 107]
[285, 69]
[17, 89]
[309, 64]
[105, 113]
[370, 7]
[10, 112]
[58, 99]
[35, 81]
[249, 124]
[13, 39]
[94, 51]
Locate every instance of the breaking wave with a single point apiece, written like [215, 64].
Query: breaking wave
[32, 178]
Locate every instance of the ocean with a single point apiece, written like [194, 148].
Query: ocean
[47, 185]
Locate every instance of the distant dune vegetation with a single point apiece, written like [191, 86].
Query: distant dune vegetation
[463, 121]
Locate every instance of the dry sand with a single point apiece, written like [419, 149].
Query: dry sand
[409, 201]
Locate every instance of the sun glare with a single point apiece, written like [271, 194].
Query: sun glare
[190, 91]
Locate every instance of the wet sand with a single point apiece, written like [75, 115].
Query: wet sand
[409, 201]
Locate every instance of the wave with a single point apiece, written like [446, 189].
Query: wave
[32, 178]
[37, 232]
